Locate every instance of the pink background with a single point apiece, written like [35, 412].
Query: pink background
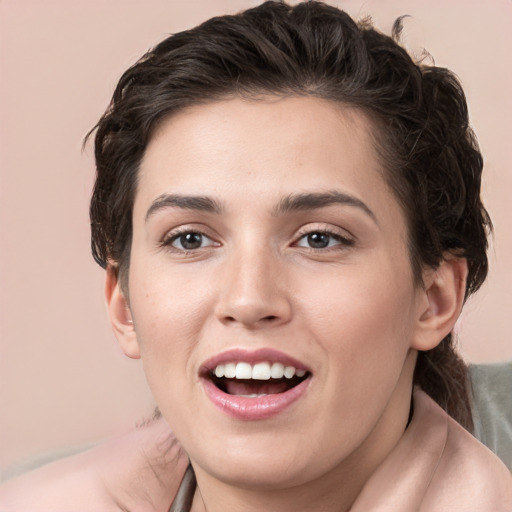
[63, 380]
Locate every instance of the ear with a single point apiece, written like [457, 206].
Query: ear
[120, 314]
[441, 302]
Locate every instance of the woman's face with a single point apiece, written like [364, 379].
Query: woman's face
[265, 240]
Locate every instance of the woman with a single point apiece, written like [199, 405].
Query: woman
[288, 211]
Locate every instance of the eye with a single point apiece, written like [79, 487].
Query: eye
[188, 241]
[322, 240]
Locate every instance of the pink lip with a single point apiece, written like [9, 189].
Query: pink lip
[258, 408]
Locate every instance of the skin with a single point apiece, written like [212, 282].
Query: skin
[138, 471]
[350, 311]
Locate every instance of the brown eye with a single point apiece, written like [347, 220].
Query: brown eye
[318, 240]
[190, 241]
[323, 240]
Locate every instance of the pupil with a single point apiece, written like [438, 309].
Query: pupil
[318, 240]
[191, 240]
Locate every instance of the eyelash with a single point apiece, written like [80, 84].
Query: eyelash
[177, 234]
[342, 241]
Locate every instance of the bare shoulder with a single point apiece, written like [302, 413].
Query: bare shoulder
[139, 471]
[469, 465]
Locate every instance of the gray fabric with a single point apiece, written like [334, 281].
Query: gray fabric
[492, 407]
[185, 495]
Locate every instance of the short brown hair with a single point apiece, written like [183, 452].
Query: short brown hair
[423, 137]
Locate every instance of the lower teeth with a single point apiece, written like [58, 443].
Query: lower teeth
[253, 395]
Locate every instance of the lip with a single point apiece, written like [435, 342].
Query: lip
[257, 408]
[251, 409]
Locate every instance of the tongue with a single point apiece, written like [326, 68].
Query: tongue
[251, 387]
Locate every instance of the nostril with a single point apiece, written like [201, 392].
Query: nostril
[268, 318]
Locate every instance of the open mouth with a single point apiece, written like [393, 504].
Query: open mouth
[253, 381]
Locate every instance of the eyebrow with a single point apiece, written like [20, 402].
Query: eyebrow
[291, 203]
[197, 203]
[313, 201]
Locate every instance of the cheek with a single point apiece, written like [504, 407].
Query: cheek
[169, 311]
[378, 291]
[365, 330]
[362, 319]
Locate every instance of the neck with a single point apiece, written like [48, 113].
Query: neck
[318, 496]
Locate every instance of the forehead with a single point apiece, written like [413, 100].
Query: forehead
[262, 148]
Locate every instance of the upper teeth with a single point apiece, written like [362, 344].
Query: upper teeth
[259, 371]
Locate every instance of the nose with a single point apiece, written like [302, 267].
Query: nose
[253, 291]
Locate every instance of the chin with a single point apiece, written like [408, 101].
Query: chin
[257, 464]
[264, 474]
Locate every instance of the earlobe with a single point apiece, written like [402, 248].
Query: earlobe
[120, 314]
[441, 302]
